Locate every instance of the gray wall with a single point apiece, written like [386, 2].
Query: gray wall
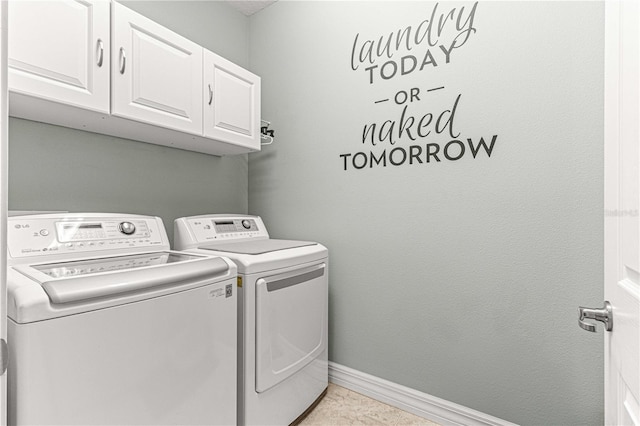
[55, 168]
[459, 278]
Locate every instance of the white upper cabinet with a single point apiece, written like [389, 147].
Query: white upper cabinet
[59, 50]
[98, 66]
[156, 73]
[232, 107]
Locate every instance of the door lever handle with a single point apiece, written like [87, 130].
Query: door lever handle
[603, 315]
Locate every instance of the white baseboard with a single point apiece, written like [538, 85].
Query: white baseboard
[410, 400]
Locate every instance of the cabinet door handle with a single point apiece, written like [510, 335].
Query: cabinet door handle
[210, 94]
[99, 53]
[123, 60]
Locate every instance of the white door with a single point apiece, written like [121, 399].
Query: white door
[59, 50]
[622, 230]
[232, 102]
[291, 323]
[156, 73]
[4, 115]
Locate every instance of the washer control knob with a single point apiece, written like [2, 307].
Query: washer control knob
[246, 224]
[127, 228]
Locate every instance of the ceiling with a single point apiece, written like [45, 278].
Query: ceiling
[249, 7]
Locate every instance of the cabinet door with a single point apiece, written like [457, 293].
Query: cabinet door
[232, 97]
[157, 74]
[59, 50]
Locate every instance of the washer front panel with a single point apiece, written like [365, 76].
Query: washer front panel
[46, 235]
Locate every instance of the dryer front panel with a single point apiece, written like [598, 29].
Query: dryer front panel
[291, 323]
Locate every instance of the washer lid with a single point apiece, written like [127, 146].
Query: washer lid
[257, 246]
[75, 268]
[80, 280]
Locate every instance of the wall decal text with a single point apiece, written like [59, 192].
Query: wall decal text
[424, 131]
[433, 39]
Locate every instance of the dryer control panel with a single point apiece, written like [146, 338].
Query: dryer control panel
[220, 228]
[40, 235]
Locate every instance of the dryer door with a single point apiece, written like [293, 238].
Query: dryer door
[291, 323]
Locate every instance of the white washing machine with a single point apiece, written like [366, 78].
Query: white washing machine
[282, 314]
[108, 326]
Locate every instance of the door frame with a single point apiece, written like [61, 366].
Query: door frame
[617, 36]
[4, 143]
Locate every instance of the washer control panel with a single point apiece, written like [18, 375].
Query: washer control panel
[218, 227]
[47, 235]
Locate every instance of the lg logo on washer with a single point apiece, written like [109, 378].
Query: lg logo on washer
[423, 119]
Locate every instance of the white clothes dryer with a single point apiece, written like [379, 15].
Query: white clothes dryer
[106, 325]
[282, 314]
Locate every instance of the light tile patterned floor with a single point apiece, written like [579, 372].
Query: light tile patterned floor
[344, 407]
